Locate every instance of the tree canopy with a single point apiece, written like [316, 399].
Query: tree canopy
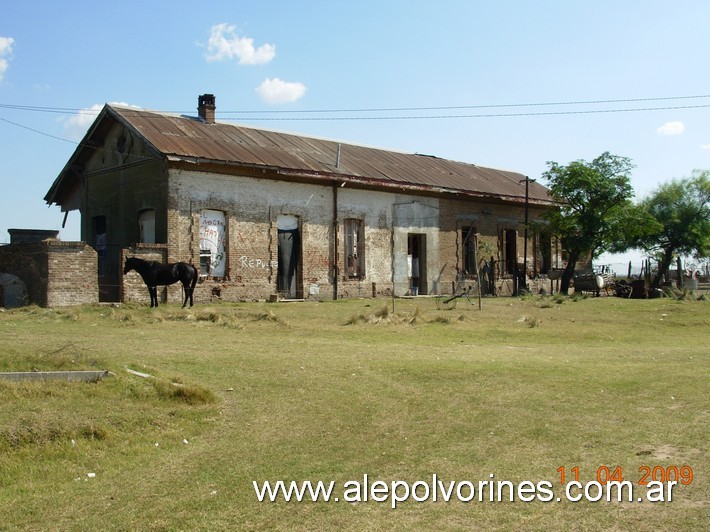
[681, 212]
[595, 208]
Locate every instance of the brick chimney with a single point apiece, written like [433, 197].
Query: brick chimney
[206, 108]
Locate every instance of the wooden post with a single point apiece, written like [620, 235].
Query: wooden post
[478, 274]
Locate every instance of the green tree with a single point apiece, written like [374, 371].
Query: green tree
[595, 208]
[681, 210]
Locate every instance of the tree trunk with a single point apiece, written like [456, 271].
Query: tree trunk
[662, 268]
[568, 273]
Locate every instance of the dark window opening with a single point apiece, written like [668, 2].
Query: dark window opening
[545, 253]
[468, 251]
[416, 264]
[205, 261]
[510, 250]
[146, 226]
[354, 249]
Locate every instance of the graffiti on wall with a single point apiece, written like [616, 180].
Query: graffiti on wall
[247, 262]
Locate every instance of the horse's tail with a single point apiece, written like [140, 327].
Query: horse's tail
[194, 278]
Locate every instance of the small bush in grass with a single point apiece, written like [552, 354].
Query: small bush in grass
[546, 303]
[355, 319]
[93, 432]
[189, 394]
[268, 316]
[530, 321]
[383, 312]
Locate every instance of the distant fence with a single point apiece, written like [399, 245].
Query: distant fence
[641, 268]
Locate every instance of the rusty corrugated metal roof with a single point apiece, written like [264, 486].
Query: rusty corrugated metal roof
[190, 139]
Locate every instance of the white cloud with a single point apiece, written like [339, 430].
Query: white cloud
[671, 128]
[76, 125]
[224, 44]
[705, 146]
[6, 44]
[278, 91]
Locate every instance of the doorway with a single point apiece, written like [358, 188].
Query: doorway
[416, 264]
[289, 254]
[510, 250]
[108, 261]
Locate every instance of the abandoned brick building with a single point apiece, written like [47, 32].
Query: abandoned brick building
[262, 212]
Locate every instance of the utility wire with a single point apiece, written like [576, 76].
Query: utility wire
[38, 131]
[494, 115]
[68, 110]
[73, 110]
[491, 106]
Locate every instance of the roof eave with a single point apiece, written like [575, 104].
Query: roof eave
[334, 178]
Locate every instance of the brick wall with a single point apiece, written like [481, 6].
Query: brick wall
[253, 204]
[56, 273]
[72, 274]
[490, 220]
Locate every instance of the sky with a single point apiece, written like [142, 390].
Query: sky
[509, 84]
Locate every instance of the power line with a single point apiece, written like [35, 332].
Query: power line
[489, 115]
[73, 110]
[490, 106]
[70, 110]
[38, 131]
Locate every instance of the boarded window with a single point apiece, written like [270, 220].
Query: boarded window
[146, 226]
[213, 243]
[354, 248]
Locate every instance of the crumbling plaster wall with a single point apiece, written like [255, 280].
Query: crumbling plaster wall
[252, 206]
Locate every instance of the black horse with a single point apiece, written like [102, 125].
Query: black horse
[156, 273]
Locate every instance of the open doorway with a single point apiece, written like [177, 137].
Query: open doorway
[108, 261]
[288, 282]
[416, 264]
[510, 250]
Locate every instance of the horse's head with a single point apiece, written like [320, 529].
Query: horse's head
[130, 265]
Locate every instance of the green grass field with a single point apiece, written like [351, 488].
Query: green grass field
[334, 391]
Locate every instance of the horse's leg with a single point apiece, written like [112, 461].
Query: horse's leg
[187, 292]
[153, 296]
